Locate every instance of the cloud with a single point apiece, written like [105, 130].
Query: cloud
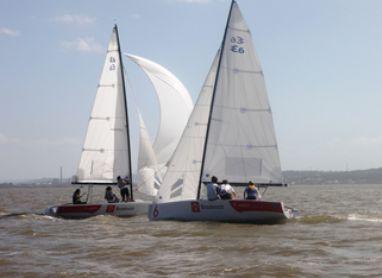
[9, 32]
[4, 139]
[74, 19]
[357, 142]
[136, 16]
[7, 140]
[70, 141]
[83, 45]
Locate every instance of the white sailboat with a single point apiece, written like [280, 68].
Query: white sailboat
[230, 134]
[149, 174]
[106, 153]
[175, 105]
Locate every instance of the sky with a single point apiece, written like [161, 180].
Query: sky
[321, 62]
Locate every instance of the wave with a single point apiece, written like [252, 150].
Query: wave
[358, 217]
[26, 214]
[13, 214]
[318, 219]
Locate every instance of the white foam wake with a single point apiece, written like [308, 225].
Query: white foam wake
[357, 217]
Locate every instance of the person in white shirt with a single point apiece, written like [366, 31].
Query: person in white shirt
[226, 191]
[213, 189]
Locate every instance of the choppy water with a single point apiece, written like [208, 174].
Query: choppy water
[339, 233]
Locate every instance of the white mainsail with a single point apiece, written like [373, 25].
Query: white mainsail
[105, 154]
[182, 177]
[241, 142]
[148, 180]
[175, 106]
[236, 140]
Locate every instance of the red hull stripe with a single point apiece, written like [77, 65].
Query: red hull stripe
[78, 209]
[242, 206]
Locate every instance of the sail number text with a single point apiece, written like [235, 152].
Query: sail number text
[112, 63]
[236, 44]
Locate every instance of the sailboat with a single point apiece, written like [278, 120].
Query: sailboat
[230, 134]
[175, 107]
[107, 151]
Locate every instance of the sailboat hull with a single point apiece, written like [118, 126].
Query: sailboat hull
[240, 211]
[80, 211]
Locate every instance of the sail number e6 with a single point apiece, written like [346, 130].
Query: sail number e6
[236, 42]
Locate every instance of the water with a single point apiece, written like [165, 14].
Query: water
[339, 233]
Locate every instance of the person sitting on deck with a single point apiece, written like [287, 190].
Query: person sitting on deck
[110, 197]
[76, 198]
[251, 192]
[123, 185]
[226, 191]
[213, 189]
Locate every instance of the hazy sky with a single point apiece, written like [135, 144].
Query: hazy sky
[321, 62]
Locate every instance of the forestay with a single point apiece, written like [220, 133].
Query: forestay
[175, 107]
[241, 143]
[105, 154]
[182, 177]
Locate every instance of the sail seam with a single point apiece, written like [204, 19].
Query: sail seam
[106, 85]
[244, 109]
[246, 146]
[240, 30]
[236, 70]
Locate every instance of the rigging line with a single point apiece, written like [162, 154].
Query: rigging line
[213, 98]
[126, 111]
[265, 190]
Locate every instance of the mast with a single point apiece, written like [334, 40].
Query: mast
[126, 112]
[213, 98]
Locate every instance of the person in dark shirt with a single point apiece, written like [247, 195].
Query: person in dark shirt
[123, 185]
[251, 192]
[110, 197]
[76, 198]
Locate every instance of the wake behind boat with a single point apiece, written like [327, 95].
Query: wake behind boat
[230, 134]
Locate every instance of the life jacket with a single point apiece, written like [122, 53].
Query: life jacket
[251, 194]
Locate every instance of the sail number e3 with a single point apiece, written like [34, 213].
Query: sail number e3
[236, 44]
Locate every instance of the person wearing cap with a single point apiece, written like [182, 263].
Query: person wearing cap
[251, 192]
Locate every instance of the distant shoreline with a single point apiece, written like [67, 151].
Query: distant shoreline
[291, 177]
